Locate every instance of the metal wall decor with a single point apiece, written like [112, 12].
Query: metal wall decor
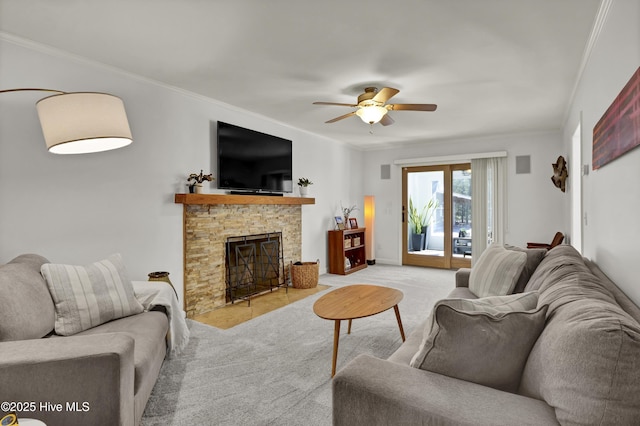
[560, 173]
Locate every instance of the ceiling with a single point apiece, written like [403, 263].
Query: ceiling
[491, 66]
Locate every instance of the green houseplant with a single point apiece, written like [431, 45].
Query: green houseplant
[419, 219]
[195, 181]
[304, 184]
[346, 212]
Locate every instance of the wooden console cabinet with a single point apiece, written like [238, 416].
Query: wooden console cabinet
[347, 244]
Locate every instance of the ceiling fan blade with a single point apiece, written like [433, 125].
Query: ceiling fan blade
[385, 94]
[335, 103]
[386, 120]
[333, 120]
[412, 107]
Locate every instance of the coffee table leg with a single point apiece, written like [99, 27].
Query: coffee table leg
[336, 338]
[395, 308]
[349, 329]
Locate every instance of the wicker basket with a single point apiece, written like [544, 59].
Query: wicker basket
[305, 275]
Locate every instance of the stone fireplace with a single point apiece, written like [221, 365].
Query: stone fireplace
[210, 219]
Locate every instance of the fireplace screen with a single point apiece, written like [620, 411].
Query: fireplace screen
[254, 264]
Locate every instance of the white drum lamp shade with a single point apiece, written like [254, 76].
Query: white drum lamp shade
[83, 122]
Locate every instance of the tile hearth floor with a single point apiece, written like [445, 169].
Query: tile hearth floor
[232, 315]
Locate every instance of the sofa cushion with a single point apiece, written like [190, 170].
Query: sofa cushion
[496, 271]
[461, 293]
[149, 331]
[485, 341]
[87, 296]
[586, 364]
[557, 263]
[26, 309]
[563, 277]
[534, 257]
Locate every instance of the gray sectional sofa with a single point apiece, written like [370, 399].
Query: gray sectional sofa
[583, 369]
[99, 376]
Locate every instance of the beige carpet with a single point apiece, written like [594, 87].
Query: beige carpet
[276, 368]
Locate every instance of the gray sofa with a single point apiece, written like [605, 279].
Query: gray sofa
[100, 376]
[583, 369]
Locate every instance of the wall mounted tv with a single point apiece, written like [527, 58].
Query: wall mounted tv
[252, 161]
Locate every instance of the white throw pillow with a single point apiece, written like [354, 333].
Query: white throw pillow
[87, 296]
[497, 271]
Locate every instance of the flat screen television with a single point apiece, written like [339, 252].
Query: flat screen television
[252, 161]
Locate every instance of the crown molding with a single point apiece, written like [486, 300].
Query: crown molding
[596, 30]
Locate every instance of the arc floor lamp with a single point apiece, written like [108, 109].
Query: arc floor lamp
[81, 122]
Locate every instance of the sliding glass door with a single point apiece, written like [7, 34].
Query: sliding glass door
[436, 219]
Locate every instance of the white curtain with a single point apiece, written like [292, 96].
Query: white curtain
[488, 202]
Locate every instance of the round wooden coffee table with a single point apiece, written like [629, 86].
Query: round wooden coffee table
[356, 301]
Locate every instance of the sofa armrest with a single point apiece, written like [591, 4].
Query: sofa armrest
[462, 277]
[371, 391]
[75, 380]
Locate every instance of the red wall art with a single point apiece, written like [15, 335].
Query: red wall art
[618, 131]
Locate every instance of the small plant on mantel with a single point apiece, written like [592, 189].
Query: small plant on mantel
[196, 180]
[304, 183]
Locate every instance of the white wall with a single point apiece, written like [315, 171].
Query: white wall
[611, 195]
[535, 207]
[79, 209]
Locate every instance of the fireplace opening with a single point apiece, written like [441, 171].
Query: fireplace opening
[254, 264]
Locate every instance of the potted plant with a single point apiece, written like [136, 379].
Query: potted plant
[304, 183]
[346, 212]
[419, 221]
[195, 181]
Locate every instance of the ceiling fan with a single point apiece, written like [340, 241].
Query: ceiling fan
[372, 107]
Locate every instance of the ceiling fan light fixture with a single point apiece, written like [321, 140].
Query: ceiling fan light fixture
[372, 106]
[371, 114]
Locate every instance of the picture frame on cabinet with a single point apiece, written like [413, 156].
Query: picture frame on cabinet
[339, 222]
[353, 223]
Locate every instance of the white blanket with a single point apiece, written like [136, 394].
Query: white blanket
[160, 293]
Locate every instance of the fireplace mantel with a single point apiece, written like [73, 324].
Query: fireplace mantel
[211, 199]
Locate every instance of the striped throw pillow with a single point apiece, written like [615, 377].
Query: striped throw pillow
[485, 341]
[87, 296]
[497, 271]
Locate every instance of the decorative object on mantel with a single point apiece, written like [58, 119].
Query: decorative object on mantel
[196, 185]
[618, 131]
[304, 183]
[560, 173]
[346, 212]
